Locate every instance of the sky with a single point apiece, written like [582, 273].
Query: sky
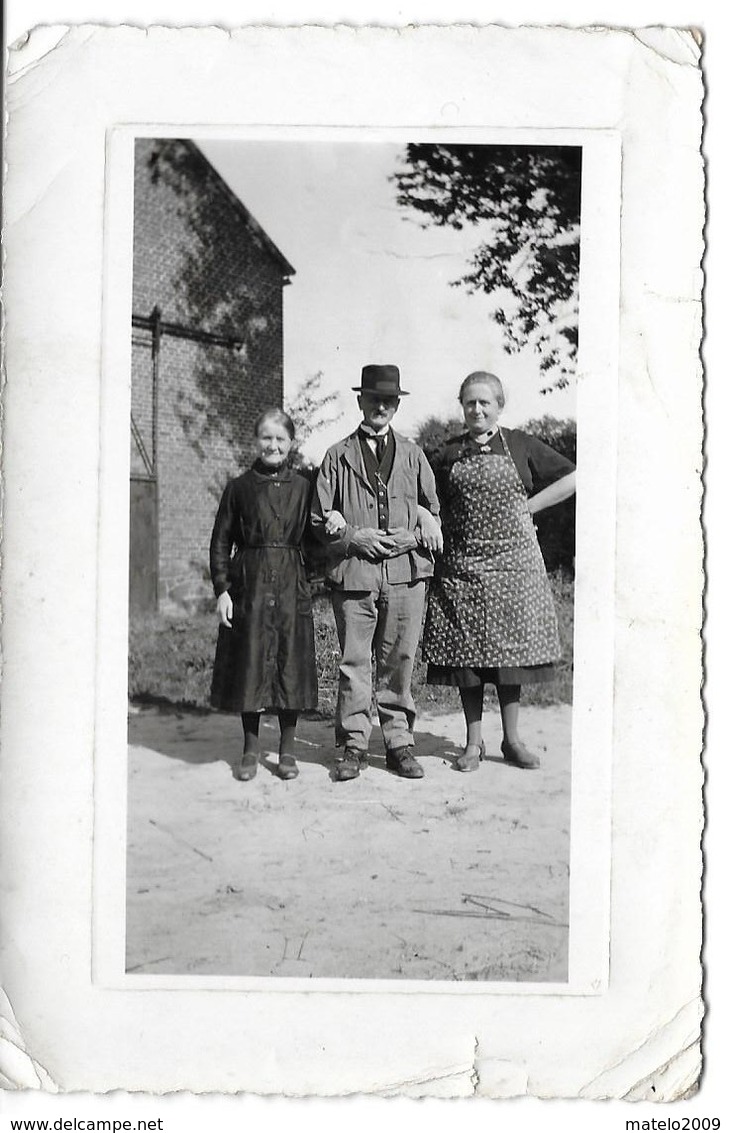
[372, 285]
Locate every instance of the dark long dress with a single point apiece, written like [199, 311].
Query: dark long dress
[266, 660]
[491, 616]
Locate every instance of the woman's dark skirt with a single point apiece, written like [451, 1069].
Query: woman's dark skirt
[468, 677]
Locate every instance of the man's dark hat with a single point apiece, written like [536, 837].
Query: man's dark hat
[381, 379]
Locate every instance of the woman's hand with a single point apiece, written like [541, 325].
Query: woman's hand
[429, 530]
[334, 523]
[225, 609]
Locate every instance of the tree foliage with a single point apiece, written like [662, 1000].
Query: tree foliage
[526, 200]
[433, 432]
[556, 526]
[558, 432]
[310, 410]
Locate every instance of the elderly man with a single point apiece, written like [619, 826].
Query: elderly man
[375, 506]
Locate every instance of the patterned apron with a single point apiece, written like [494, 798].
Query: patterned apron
[491, 603]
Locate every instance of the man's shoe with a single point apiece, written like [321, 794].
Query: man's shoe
[519, 756]
[403, 763]
[348, 765]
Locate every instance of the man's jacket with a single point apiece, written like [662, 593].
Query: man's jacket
[342, 485]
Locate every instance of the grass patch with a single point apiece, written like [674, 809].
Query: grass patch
[171, 660]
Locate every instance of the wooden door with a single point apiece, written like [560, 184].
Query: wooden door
[142, 546]
[143, 529]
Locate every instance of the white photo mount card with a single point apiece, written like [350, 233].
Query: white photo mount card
[192, 209]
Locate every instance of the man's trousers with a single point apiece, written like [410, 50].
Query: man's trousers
[387, 624]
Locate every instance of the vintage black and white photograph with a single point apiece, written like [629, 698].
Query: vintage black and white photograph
[352, 558]
[352, 562]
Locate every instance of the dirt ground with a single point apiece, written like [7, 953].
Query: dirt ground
[451, 877]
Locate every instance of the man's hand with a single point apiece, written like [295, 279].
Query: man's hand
[368, 543]
[402, 540]
[429, 531]
[225, 609]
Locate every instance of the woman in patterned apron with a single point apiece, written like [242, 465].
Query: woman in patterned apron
[265, 657]
[491, 618]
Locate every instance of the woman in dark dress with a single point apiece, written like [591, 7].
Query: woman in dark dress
[490, 617]
[265, 657]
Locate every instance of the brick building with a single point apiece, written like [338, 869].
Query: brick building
[206, 359]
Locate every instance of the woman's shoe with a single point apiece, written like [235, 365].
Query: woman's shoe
[247, 767]
[470, 758]
[287, 767]
[519, 756]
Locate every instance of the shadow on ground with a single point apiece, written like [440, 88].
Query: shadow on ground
[451, 877]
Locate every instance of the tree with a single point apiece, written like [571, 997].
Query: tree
[432, 433]
[527, 202]
[310, 410]
[556, 526]
[558, 432]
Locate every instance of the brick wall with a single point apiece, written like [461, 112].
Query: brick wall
[200, 449]
[206, 268]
